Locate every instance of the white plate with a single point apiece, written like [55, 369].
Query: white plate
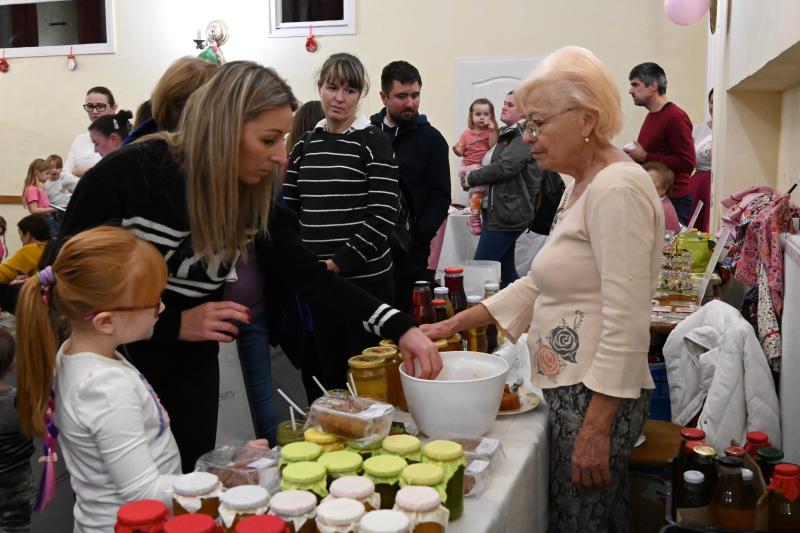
[528, 402]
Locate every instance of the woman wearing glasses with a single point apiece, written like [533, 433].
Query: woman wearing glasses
[82, 155]
[586, 300]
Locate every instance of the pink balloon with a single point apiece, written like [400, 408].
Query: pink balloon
[685, 12]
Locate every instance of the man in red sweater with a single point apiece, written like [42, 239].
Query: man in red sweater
[666, 133]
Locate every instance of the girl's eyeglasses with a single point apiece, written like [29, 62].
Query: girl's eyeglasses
[156, 308]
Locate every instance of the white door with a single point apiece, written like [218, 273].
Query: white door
[490, 78]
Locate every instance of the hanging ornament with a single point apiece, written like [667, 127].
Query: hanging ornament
[72, 63]
[4, 66]
[311, 42]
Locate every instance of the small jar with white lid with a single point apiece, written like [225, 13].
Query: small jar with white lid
[339, 515]
[196, 492]
[384, 521]
[358, 488]
[423, 508]
[240, 502]
[298, 508]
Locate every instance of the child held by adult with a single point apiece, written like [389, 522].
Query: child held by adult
[114, 434]
[34, 195]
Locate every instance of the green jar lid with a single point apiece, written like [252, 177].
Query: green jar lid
[443, 450]
[300, 451]
[770, 455]
[424, 474]
[384, 466]
[401, 444]
[368, 448]
[304, 473]
[340, 461]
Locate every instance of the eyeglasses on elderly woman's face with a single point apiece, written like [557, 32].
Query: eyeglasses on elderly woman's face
[534, 126]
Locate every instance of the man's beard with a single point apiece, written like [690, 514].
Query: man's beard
[402, 121]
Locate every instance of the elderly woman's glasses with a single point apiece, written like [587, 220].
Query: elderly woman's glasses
[533, 127]
[95, 107]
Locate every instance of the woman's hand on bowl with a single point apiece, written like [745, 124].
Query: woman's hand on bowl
[414, 345]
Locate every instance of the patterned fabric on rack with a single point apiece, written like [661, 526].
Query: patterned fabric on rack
[769, 333]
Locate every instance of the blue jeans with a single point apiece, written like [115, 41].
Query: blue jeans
[499, 246]
[253, 344]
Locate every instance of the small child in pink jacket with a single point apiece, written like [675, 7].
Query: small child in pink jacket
[662, 178]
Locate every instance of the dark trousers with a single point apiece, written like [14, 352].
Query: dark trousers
[683, 207]
[336, 339]
[185, 376]
[499, 246]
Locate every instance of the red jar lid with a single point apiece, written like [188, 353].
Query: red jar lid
[191, 523]
[438, 301]
[735, 451]
[262, 524]
[141, 513]
[693, 434]
[787, 470]
[757, 437]
[453, 270]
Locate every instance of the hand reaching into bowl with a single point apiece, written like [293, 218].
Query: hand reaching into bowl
[414, 345]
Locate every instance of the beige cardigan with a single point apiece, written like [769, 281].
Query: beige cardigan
[586, 301]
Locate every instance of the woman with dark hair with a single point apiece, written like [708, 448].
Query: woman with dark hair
[108, 132]
[34, 232]
[82, 155]
[305, 119]
[202, 196]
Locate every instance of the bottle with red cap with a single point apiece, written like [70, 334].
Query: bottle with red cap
[421, 304]
[143, 516]
[454, 281]
[687, 435]
[440, 309]
[784, 504]
[262, 524]
[192, 523]
[756, 440]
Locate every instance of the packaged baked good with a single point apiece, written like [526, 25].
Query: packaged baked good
[242, 463]
[357, 419]
[477, 474]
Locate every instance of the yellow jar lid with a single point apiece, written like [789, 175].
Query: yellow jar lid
[706, 451]
[340, 461]
[443, 450]
[384, 465]
[401, 444]
[387, 342]
[304, 473]
[319, 437]
[301, 451]
[441, 344]
[382, 351]
[365, 361]
[425, 474]
[455, 338]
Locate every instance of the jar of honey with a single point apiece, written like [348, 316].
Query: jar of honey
[369, 375]
[238, 503]
[423, 508]
[455, 343]
[298, 508]
[339, 515]
[391, 362]
[441, 345]
[358, 488]
[197, 492]
[384, 521]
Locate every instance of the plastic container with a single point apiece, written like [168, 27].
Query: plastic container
[192, 523]
[358, 419]
[423, 508]
[358, 488]
[660, 408]
[262, 524]
[197, 492]
[477, 474]
[384, 521]
[143, 516]
[384, 471]
[340, 464]
[238, 503]
[327, 441]
[298, 508]
[305, 475]
[242, 464]
[339, 515]
[449, 456]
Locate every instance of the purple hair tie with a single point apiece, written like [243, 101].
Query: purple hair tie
[47, 278]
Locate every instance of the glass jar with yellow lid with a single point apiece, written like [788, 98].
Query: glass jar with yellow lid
[327, 441]
[387, 342]
[340, 463]
[305, 475]
[384, 471]
[391, 362]
[441, 345]
[369, 376]
[240, 502]
[339, 515]
[298, 508]
[423, 508]
[425, 475]
[295, 452]
[455, 343]
[450, 456]
[371, 449]
[196, 492]
[358, 488]
[383, 521]
[406, 446]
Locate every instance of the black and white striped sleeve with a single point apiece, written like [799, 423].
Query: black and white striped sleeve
[370, 239]
[291, 193]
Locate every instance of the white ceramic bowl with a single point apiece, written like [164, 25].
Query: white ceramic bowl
[464, 399]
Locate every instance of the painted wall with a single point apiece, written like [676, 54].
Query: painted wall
[41, 100]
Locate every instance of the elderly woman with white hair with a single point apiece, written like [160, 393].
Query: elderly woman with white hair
[586, 300]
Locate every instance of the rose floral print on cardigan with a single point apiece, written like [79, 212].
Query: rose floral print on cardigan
[558, 349]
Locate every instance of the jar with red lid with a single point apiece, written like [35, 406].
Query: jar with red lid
[454, 281]
[192, 523]
[262, 524]
[735, 451]
[687, 435]
[784, 504]
[143, 516]
[756, 440]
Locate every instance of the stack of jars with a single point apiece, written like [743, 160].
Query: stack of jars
[722, 482]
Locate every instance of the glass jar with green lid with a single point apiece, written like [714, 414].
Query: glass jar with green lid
[327, 441]
[298, 508]
[238, 503]
[384, 471]
[295, 452]
[339, 515]
[367, 451]
[425, 475]
[305, 475]
[369, 376]
[423, 508]
[406, 446]
[767, 459]
[340, 463]
[391, 362]
[289, 431]
[450, 456]
[358, 488]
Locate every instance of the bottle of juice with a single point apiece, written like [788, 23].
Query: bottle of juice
[731, 508]
[443, 293]
[454, 281]
[421, 304]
